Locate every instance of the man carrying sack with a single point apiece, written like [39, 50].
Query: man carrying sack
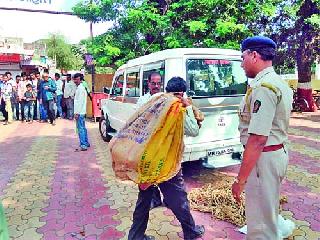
[172, 118]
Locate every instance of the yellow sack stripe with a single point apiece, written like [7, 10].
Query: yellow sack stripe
[149, 148]
[163, 153]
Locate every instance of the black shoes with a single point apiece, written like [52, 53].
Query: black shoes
[200, 232]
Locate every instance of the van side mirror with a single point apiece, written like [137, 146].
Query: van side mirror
[190, 93]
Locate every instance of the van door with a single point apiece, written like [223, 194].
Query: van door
[114, 103]
[218, 86]
[132, 94]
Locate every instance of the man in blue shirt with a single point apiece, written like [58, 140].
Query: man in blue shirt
[47, 93]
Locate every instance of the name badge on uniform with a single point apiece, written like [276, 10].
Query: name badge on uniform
[256, 106]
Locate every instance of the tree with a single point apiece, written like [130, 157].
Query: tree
[297, 32]
[62, 53]
[147, 26]
[151, 25]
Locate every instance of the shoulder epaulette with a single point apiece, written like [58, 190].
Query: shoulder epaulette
[266, 85]
[273, 89]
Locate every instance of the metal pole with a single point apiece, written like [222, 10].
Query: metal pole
[92, 66]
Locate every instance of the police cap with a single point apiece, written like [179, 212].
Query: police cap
[257, 42]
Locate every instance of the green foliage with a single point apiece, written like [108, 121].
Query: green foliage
[146, 26]
[196, 26]
[296, 30]
[314, 20]
[65, 55]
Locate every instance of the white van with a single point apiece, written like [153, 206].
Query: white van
[216, 83]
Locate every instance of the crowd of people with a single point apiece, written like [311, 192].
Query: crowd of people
[33, 96]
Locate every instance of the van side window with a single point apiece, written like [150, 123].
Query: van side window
[117, 87]
[146, 74]
[133, 84]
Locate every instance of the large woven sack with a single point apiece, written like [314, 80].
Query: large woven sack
[148, 150]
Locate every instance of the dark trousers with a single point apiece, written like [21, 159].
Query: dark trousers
[49, 107]
[59, 107]
[3, 110]
[14, 109]
[156, 198]
[22, 104]
[35, 110]
[176, 199]
[17, 110]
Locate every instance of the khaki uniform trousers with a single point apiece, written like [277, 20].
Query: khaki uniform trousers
[263, 193]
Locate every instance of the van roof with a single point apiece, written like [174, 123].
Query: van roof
[178, 53]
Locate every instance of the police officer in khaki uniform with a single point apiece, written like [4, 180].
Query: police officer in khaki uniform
[264, 120]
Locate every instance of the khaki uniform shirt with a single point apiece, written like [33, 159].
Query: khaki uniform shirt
[266, 108]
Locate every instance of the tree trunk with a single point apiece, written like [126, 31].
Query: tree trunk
[304, 89]
[304, 55]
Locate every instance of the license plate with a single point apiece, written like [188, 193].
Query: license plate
[219, 152]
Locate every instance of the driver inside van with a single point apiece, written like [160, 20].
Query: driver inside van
[154, 85]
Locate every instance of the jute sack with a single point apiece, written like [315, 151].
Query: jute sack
[148, 150]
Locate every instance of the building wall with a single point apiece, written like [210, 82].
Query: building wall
[315, 83]
[101, 80]
[13, 68]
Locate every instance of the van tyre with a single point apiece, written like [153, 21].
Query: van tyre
[104, 128]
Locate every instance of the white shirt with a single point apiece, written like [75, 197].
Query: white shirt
[6, 91]
[80, 100]
[143, 99]
[22, 88]
[12, 82]
[70, 89]
[191, 127]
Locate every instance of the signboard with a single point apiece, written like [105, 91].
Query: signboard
[42, 5]
[10, 58]
[11, 45]
[88, 59]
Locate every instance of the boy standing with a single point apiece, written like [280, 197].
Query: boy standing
[30, 99]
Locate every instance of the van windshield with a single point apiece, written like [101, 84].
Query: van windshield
[216, 77]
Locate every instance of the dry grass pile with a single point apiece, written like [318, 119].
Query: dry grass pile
[216, 198]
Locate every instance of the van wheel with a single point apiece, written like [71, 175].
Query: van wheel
[104, 128]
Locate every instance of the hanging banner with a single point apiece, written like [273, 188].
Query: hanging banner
[63, 6]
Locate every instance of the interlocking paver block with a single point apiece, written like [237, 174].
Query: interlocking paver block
[50, 192]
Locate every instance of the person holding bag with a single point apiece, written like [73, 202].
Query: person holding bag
[172, 189]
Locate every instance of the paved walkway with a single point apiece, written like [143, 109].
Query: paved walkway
[50, 192]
